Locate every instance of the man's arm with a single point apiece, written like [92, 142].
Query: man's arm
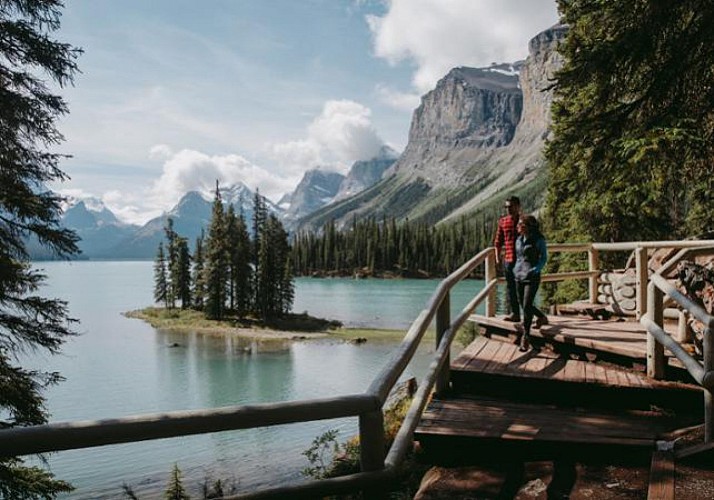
[498, 241]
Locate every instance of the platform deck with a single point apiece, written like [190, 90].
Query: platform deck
[614, 336]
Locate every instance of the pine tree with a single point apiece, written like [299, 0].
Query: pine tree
[160, 279]
[260, 215]
[216, 262]
[183, 273]
[633, 141]
[242, 270]
[174, 488]
[287, 287]
[198, 277]
[171, 262]
[32, 65]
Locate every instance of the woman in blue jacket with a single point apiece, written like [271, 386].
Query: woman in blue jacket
[531, 256]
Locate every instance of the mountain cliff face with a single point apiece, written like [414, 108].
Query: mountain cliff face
[476, 136]
[316, 189]
[364, 174]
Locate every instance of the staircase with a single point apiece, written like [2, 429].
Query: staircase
[539, 405]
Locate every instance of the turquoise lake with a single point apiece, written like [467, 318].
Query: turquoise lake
[119, 366]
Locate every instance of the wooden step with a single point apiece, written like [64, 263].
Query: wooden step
[494, 368]
[493, 428]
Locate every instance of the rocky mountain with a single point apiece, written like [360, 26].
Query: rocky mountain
[366, 173]
[190, 216]
[319, 188]
[475, 138]
[316, 189]
[98, 228]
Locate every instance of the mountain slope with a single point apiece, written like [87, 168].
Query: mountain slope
[477, 136]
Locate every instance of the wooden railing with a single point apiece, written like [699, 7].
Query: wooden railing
[658, 339]
[376, 467]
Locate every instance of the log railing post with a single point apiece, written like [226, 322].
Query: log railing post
[490, 276]
[642, 280]
[372, 448]
[708, 396]
[443, 322]
[655, 350]
[593, 265]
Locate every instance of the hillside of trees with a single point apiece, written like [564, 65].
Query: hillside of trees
[390, 247]
[229, 273]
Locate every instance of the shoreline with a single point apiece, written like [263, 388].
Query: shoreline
[190, 322]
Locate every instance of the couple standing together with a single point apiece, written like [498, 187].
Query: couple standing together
[524, 250]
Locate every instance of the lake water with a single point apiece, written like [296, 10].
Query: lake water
[120, 366]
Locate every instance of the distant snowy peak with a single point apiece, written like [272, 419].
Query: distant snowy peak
[87, 212]
[509, 69]
[238, 195]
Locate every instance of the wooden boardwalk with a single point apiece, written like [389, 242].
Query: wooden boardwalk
[615, 336]
[542, 404]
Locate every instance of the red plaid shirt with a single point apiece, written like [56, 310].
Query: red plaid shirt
[506, 237]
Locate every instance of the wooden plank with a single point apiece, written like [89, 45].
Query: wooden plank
[661, 485]
[570, 372]
[624, 338]
[538, 423]
[471, 351]
[484, 356]
[495, 360]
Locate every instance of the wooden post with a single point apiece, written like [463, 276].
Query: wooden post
[642, 281]
[708, 396]
[593, 264]
[655, 350]
[371, 448]
[443, 322]
[490, 276]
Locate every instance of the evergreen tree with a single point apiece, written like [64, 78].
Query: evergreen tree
[260, 215]
[216, 262]
[29, 56]
[160, 279]
[264, 273]
[242, 270]
[231, 221]
[198, 277]
[174, 488]
[183, 273]
[287, 287]
[633, 140]
[171, 262]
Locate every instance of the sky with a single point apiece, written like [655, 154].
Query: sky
[175, 94]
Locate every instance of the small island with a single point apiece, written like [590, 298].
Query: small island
[288, 327]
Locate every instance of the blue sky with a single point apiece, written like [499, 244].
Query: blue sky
[175, 93]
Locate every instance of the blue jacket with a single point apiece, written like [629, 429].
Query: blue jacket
[531, 256]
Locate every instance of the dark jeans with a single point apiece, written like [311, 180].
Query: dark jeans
[511, 288]
[526, 294]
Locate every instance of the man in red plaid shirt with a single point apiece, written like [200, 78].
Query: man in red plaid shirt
[505, 240]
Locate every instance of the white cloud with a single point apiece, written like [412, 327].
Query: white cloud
[405, 101]
[160, 152]
[342, 134]
[437, 35]
[189, 170]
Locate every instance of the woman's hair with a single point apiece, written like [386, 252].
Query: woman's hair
[532, 225]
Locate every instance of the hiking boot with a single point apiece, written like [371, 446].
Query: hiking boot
[525, 344]
[515, 318]
[540, 321]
